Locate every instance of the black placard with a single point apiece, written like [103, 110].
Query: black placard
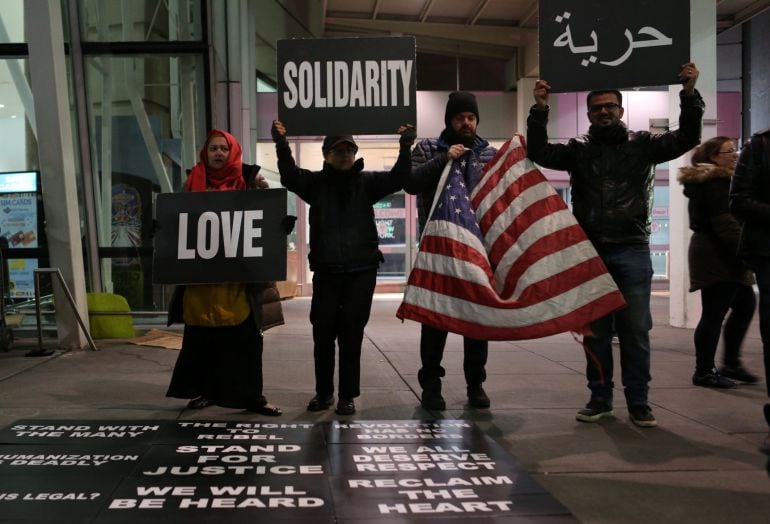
[609, 44]
[220, 236]
[330, 86]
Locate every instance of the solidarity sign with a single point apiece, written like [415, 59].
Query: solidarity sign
[330, 86]
[220, 236]
[596, 44]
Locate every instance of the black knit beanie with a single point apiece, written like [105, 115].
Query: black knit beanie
[460, 102]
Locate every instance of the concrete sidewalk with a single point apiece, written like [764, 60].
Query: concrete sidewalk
[700, 465]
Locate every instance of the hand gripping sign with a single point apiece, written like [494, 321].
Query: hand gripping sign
[220, 236]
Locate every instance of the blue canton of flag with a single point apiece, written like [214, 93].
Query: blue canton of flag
[454, 204]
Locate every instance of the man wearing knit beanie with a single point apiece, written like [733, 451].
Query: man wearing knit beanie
[428, 160]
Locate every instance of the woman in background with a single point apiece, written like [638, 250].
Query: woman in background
[725, 284]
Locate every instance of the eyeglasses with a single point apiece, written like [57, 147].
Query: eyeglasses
[342, 151]
[729, 152]
[597, 108]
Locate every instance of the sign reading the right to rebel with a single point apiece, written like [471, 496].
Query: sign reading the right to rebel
[333, 86]
[608, 44]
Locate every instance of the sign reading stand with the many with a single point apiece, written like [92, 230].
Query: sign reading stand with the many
[330, 86]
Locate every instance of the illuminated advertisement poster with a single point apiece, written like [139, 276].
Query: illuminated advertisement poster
[18, 224]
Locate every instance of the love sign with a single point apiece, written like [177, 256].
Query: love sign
[220, 236]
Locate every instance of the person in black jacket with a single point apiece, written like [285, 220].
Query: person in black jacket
[429, 157]
[750, 202]
[344, 253]
[612, 176]
[724, 281]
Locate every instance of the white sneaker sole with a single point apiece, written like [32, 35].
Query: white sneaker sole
[594, 418]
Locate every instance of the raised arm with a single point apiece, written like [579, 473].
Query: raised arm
[293, 178]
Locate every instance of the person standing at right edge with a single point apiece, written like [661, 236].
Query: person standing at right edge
[724, 281]
[428, 160]
[612, 176]
[750, 202]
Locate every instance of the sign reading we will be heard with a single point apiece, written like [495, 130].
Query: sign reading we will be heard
[220, 236]
[330, 86]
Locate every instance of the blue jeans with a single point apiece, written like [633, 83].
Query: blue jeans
[631, 268]
[761, 267]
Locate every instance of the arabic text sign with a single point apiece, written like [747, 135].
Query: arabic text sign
[332, 86]
[607, 44]
[220, 236]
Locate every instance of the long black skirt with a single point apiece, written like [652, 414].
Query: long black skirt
[223, 364]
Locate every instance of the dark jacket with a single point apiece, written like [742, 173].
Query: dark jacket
[264, 298]
[713, 248]
[750, 196]
[612, 183]
[343, 234]
[429, 157]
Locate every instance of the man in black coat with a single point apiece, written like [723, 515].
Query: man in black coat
[612, 175]
[429, 157]
[750, 202]
[344, 253]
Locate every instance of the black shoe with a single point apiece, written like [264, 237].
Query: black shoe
[345, 407]
[267, 410]
[477, 398]
[320, 403]
[594, 411]
[712, 379]
[432, 400]
[642, 416]
[739, 373]
[200, 403]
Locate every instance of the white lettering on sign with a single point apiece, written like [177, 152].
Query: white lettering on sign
[367, 83]
[236, 227]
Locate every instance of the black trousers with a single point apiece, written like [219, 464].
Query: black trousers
[716, 301]
[432, 342]
[339, 312]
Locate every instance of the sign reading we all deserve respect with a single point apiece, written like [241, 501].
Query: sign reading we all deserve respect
[329, 86]
[220, 236]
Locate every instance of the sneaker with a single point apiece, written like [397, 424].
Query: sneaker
[594, 411]
[432, 400]
[345, 407]
[739, 373]
[477, 397]
[320, 403]
[712, 379]
[642, 416]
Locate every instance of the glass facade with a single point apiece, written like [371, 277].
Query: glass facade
[140, 20]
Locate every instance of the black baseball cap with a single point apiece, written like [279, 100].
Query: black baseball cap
[332, 141]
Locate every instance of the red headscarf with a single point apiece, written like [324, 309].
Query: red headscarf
[230, 176]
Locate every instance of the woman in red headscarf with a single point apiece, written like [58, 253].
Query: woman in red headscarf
[221, 358]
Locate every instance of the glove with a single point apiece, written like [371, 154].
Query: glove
[278, 138]
[288, 223]
[408, 136]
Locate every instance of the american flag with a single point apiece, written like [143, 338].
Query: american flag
[503, 258]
